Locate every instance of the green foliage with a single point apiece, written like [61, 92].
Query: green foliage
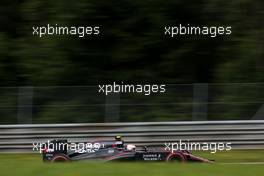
[132, 47]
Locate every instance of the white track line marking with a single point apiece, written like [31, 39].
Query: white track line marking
[253, 163]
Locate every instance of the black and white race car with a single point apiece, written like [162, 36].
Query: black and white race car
[111, 150]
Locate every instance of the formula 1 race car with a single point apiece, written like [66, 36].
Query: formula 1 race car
[111, 150]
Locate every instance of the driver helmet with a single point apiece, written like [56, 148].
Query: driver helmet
[118, 138]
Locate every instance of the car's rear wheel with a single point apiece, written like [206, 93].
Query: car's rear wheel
[178, 158]
[60, 158]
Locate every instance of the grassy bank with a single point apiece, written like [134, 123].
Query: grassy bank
[31, 165]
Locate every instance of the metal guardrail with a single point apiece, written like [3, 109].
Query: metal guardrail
[242, 134]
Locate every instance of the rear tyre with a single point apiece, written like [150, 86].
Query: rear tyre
[178, 158]
[60, 158]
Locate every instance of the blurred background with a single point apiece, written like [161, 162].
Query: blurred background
[54, 79]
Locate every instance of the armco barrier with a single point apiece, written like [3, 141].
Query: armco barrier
[242, 134]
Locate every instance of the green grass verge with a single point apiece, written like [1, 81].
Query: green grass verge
[31, 165]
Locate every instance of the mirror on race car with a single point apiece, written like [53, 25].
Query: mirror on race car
[130, 147]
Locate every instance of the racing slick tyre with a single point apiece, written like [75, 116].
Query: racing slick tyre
[60, 158]
[175, 158]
